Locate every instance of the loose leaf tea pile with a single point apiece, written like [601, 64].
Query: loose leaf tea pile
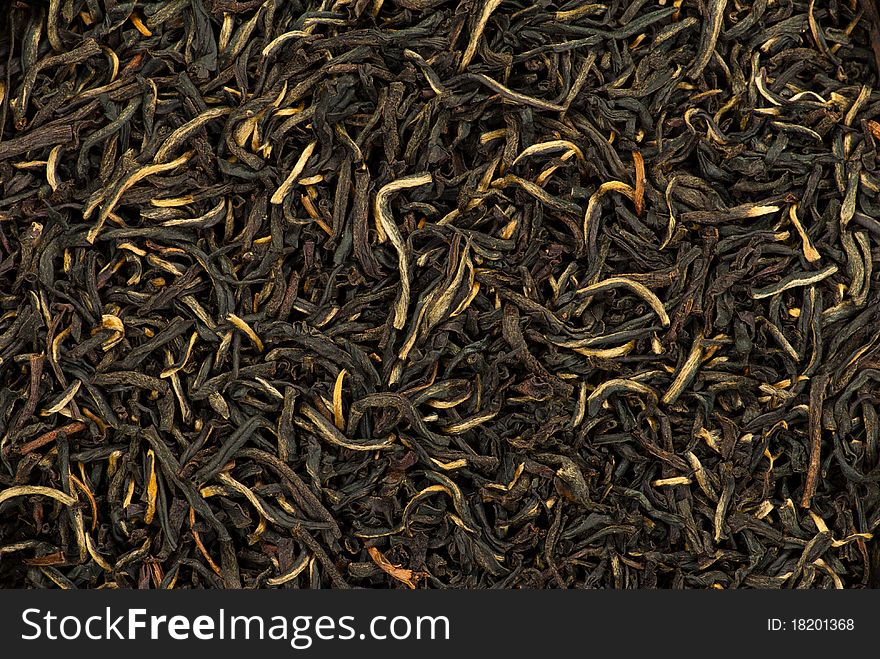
[439, 293]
